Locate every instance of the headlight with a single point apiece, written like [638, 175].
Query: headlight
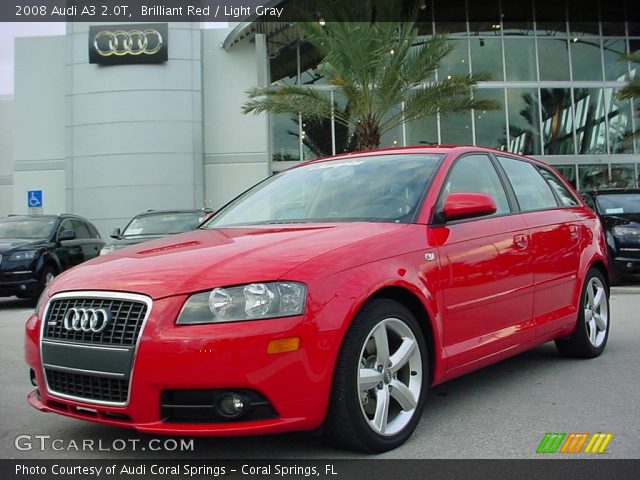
[245, 302]
[626, 232]
[107, 249]
[24, 255]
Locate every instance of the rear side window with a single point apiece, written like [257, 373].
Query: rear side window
[82, 232]
[532, 191]
[476, 174]
[562, 192]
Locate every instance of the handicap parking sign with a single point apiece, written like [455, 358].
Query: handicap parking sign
[34, 199]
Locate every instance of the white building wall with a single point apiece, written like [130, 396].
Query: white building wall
[235, 145]
[133, 132]
[6, 154]
[39, 122]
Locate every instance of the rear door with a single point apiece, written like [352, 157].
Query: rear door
[88, 242]
[546, 207]
[486, 275]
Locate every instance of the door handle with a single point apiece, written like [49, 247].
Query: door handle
[520, 241]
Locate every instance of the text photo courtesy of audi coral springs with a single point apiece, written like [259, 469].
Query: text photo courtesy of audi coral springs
[354, 275]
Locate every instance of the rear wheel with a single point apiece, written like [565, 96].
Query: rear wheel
[592, 328]
[380, 380]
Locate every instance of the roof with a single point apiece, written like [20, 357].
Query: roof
[169, 212]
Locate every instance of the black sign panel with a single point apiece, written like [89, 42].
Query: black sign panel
[128, 44]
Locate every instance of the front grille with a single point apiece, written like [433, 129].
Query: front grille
[88, 386]
[123, 329]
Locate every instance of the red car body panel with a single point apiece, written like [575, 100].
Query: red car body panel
[488, 289]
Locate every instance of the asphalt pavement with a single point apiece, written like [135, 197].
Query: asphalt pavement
[501, 411]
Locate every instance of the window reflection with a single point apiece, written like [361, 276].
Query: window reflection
[517, 18]
[524, 121]
[593, 177]
[286, 145]
[457, 62]
[520, 59]
[550, 17]
[614, 68]
[553, 59]
[455, 129]
[423, 131]
[623, 176]
[557, 121]
[585, 59]
[590, 122]
[486, 56]
[491, 130]
[619, 114]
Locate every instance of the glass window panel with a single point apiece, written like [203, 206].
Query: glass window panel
[593, 177]
[568, 172]
[455, 129]
[345, 141]
[634, 29]
[634, 45]
[553, 58]
[450, 16]
[517, 18]
[591, 131]
[619, 114]
[423, 131]
[579, 29]
[484, 16]
[557, 121]
[532, 191]
[586, 60]
[614, 68]
[583, 18]
[392, 138]
[491, 128]
[520, 58]
[286, 146]
[457, 62]
[566, 197]
[486, 56]
[612, 16]
[476, 174]
[551, 17]
[623, 175]
[524, 121]
[316, 138]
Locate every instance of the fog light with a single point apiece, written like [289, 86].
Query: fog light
[23, 287]
[232, 405]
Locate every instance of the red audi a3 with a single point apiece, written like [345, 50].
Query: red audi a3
[331, 295]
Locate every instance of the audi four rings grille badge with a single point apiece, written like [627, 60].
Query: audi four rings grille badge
[132, 42]
[87, 319]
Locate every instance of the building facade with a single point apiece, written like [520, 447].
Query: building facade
[110, 141]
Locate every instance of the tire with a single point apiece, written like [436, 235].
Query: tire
[590, 336]
[48, 274]
[356, 417]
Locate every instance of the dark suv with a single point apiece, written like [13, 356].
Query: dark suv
[34, 249]
[619, 212]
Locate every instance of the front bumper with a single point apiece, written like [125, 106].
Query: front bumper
[223, 356]
[18, 283]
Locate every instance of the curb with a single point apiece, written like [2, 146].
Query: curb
[625, 290]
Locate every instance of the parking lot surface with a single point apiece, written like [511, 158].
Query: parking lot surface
[502, 411]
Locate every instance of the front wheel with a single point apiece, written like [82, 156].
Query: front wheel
[589, 338]
[380, 380]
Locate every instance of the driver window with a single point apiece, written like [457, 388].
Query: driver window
[64, 226]
[476, 174]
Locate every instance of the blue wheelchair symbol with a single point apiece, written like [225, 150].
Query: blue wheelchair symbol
[34, 198]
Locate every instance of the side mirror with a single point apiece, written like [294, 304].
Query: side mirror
[461, 206]
[67, 235]
[116, 233]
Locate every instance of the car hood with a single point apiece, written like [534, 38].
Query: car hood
[9, 244]
[204, 259]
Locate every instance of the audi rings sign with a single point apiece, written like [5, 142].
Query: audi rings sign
[129, 43]
[87, 319]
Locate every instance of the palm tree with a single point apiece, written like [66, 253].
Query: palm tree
[377, 66]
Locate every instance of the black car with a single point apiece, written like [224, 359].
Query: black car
[619, 212]
[155, 224]
[34, 249]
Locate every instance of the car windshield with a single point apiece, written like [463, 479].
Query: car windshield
[29, 228]
[380, 188]
[618, 203]
[163, 224]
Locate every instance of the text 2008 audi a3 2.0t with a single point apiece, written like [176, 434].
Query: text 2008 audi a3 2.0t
[333, 294]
